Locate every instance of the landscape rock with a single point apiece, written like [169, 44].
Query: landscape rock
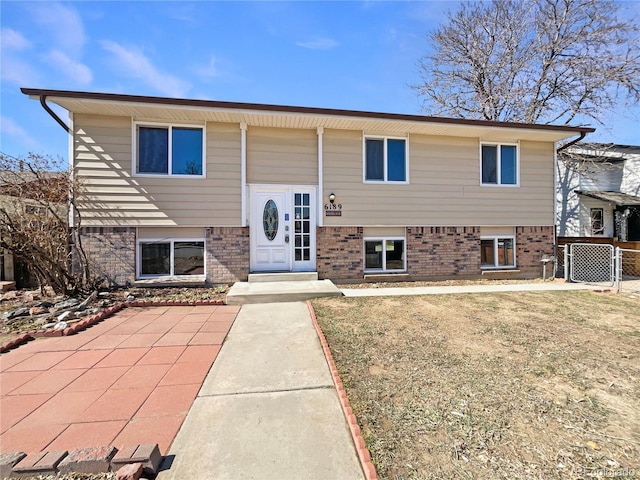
[130, 298]
[65, 315]
[43, 304]
[72, 302]
[60, 326]
[130, 471]
[20, 312]
[37, 310]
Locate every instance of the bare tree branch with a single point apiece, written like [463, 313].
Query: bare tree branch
[544, 61]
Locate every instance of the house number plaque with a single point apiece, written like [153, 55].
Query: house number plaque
[332, 209]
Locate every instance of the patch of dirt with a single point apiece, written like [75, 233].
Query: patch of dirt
[540, 385]
[13, 300]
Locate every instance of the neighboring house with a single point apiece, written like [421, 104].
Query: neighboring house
[199, 189]
[20, 193]
[599, 192]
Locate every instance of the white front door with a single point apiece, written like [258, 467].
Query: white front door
[282, 228]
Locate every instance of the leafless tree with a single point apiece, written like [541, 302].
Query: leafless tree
[537, 61]
[35, 202]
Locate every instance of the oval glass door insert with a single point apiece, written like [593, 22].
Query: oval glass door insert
[270, 220]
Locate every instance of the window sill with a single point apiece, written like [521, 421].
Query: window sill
[184, 281]
[167, 175]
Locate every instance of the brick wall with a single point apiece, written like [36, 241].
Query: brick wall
[339, 253]
[111, 252]
[532, 243]
[443, 251]
[227, 251]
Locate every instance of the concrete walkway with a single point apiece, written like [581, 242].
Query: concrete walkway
[268, 408]
[493, 288]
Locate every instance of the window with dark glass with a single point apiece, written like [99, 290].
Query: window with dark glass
[384, 254]
[499, 165]
[170, 150]
[597, 221]
[171, 257]
[385, 160]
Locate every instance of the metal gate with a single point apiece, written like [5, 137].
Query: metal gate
[592, 263]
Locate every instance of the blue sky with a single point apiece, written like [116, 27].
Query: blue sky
[351, 55]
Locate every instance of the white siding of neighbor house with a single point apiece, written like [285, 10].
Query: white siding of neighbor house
[112, 195]
[444, 185]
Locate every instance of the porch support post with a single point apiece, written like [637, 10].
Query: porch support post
[243, 172]
[320, 179]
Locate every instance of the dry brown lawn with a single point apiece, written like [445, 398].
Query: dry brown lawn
[492, 386]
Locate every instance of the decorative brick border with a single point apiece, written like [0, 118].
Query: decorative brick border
[89, 460]
[364, 455]
[99, 317]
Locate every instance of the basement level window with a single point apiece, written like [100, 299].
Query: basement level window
[384, 255]
[174, 258]
[497, 252]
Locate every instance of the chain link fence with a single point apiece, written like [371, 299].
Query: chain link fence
[592, 263]
[628, 270]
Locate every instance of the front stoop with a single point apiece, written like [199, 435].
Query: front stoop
[283, 277]
[280, 291]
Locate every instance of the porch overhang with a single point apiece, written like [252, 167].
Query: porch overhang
[616, 198]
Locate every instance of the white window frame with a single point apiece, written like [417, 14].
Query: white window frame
[384, 258]
[171, 241]
[498, 160]
[495, 239]
[169, 126]
[591, 230]
[385, 160]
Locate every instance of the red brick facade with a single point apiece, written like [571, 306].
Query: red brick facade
[532, 243]
[443, 251]
[339, 253]
[430, 252]
[227, 254]
[111, 252]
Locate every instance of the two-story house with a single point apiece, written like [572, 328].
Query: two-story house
[598, 192]
[199, 189]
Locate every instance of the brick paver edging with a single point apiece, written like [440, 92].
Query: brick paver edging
[363, 453]
[99, 317]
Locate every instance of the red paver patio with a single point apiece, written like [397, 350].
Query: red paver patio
[129, 380]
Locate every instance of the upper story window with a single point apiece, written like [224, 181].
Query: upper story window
[499, 164]
[385, 159]
[169, 150]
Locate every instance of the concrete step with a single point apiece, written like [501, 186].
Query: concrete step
[285, 291]
[283, 277]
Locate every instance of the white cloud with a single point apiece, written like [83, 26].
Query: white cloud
[13, 40]
[11, 129]
[133, 63]
[319, 44]
[210, 70]
[63, 23]
[76, 71]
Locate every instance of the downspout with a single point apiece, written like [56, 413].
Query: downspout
[43, 102]
[572, 142]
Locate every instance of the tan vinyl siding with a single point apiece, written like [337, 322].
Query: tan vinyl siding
[170, 232]
[495, 231]
[114, 196]
[383, 232]
[281, 156]
[444, 185]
